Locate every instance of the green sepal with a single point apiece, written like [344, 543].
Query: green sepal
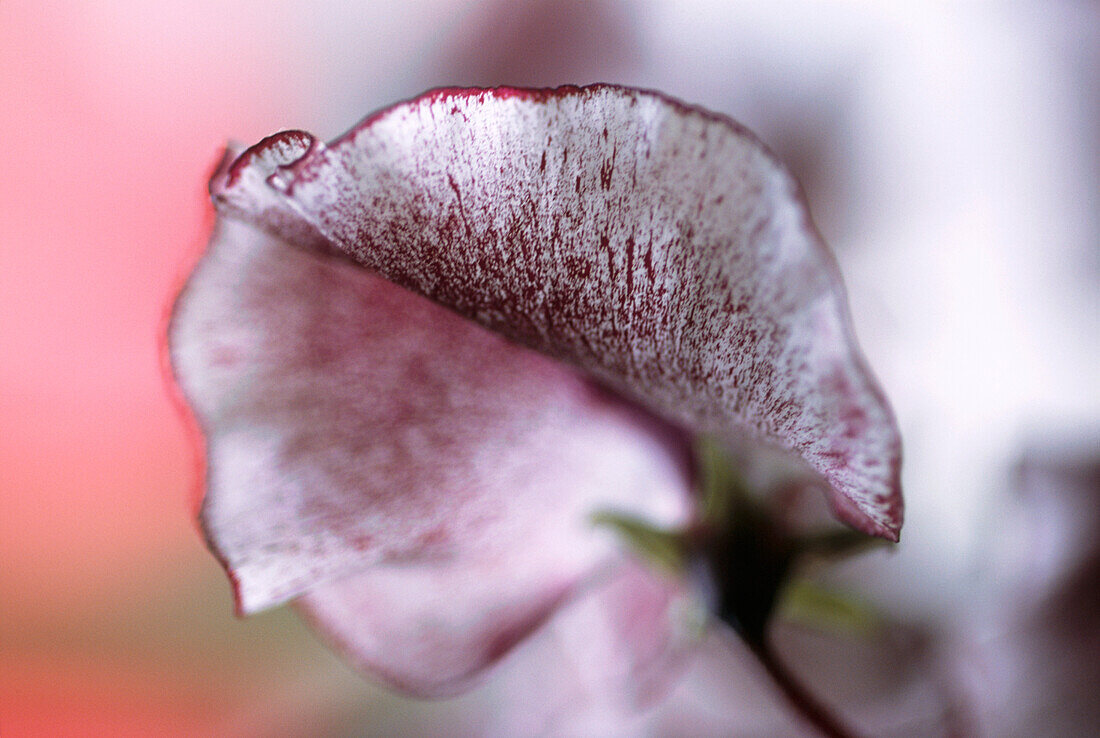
[665, 549]
[824, 608]
[722, 490]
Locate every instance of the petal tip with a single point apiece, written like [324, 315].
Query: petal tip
[882, 519]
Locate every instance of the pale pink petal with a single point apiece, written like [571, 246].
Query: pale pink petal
[602, 661]
[430, 629]
[1030, 660]
[353, 424]
[657, 247]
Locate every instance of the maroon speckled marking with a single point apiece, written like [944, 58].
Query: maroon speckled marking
[669, 341]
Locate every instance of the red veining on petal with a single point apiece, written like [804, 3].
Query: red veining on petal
[472, 198]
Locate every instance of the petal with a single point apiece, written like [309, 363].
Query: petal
[352, 423]
[657, 247]
[1030, 658]
[602, 660]
[431, 630]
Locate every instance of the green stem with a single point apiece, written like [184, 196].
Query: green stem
[807, 706]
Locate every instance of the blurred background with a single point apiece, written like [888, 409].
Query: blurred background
[951, 155]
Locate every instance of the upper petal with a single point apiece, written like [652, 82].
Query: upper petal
[658, 247]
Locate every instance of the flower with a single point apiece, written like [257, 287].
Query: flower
[1028, 657]
[606, 272]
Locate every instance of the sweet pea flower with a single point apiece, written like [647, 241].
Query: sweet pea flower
[1029, 659]
[425, 355]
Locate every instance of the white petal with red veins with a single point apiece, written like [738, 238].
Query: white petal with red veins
[657, 247]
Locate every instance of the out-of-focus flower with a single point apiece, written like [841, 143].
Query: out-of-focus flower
[426, 485]
[1031, 657]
